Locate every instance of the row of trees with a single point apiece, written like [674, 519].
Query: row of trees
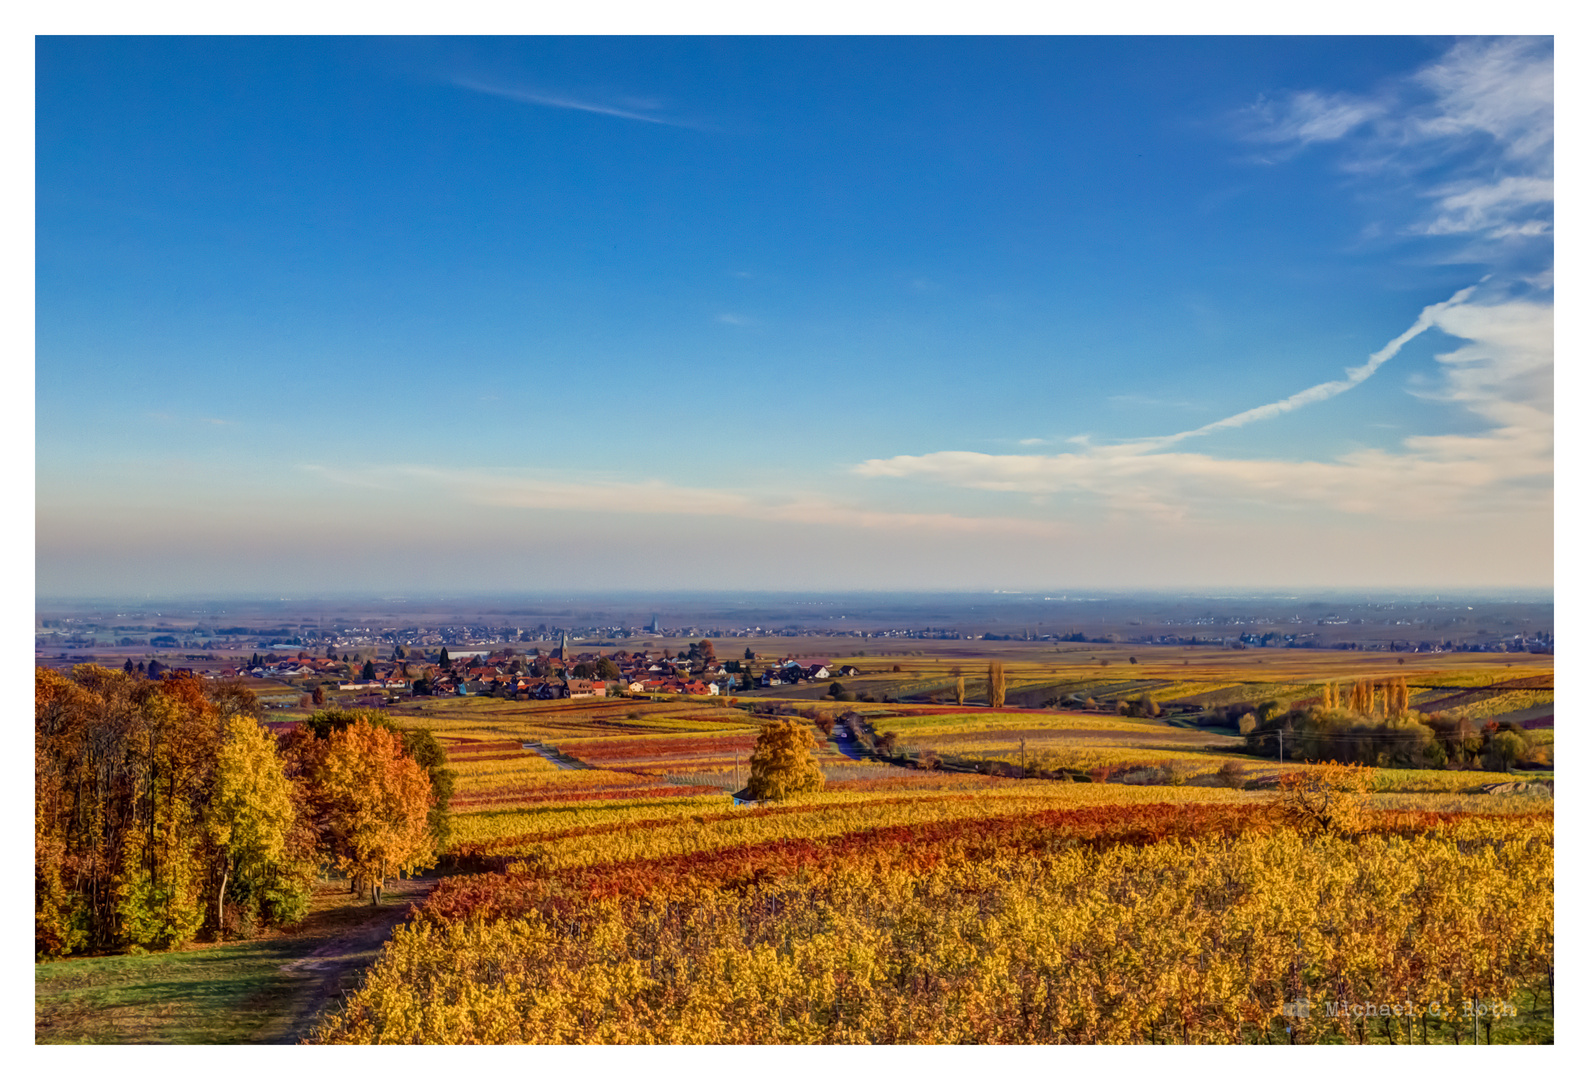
[1375, 727]
[1385, 698]
[165, 808]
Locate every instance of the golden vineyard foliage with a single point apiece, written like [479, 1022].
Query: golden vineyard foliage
[621, 832]
[480, 769]
[1013, 937]
[1331, 796]
[630, 906]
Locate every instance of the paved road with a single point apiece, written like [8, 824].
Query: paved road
[851, 749]
[559, 762]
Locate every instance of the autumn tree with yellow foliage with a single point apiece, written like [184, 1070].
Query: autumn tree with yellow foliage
[163, 807]
[781, 765]
[250, 822]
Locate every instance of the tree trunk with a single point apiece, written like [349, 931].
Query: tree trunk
[220, 905]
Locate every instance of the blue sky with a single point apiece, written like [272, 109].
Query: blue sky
[547, 313]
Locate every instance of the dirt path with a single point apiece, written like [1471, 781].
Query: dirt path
[347, 938]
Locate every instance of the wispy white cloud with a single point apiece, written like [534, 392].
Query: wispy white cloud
[730, 319]
[1503, 88]
[1483, 116]
[1476, 207]
[1307, 116]
[1505, 371]
[1504, 471]
[528, 490]
[557, 101]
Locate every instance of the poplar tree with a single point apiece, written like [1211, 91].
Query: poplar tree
[995, 684]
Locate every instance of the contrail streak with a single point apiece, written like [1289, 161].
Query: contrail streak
[1323, 391]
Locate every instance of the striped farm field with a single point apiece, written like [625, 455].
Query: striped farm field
[490, 719]
[621, 832]
[663, 753]
[1500, 704]
[1438, 781]
[486, 769]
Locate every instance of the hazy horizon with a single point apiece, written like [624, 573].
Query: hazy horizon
[691, 595]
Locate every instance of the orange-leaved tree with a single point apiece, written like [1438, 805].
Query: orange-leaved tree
[782, 765]
[378, 805]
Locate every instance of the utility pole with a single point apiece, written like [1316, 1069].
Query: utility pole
[1282, 734]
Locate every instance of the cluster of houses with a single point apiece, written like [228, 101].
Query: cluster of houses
[542, 678]
[790, 672]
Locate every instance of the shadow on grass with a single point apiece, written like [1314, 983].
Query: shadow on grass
[266, 990]
[216, 995]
